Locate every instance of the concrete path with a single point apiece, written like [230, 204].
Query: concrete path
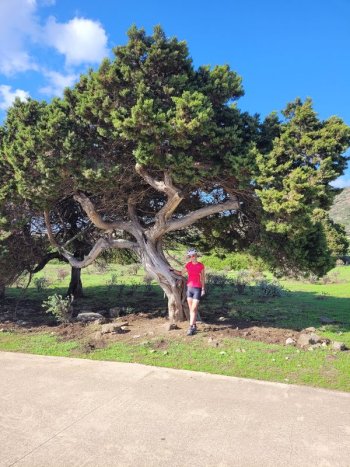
[69, 412]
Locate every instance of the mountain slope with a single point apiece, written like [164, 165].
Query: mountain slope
[340, 211]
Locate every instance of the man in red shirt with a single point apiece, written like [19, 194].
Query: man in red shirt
[195, 287]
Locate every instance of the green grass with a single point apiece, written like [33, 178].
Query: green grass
[301, 307]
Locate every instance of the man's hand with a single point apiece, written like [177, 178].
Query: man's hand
[203, 292]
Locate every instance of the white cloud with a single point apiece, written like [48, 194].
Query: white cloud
[341, 182]
[57, 82]
[18, 24]
[80, 40]
[7, 96]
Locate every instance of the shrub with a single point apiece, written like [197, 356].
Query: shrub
[216, 279]
[101, 267]
[241, 280]
[113, 280]
[134, 268]
[41, 283]
[266, 288]
[233, 261]
[62, 274]
[60, 307]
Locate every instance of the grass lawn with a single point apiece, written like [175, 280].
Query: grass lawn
[303, 305]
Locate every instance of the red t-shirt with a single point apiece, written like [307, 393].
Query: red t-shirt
[194, 274]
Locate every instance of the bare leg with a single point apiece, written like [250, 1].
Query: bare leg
[193, 311]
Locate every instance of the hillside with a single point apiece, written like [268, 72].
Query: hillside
[340, 211]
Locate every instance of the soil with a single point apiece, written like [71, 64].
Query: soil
[141, 327]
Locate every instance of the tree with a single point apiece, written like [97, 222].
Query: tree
[148, 146]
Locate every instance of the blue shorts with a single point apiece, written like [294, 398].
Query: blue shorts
[194, 292]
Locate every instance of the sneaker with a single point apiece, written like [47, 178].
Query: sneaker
[192, 330]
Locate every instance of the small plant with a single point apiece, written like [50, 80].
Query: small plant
[60, 307]
[148, 281]
[313, 279]
[113, 280]
[134, 268]
[62, 274]
[101, 267]
[241, 281]
[266, 288]
[41, 283]
[216, 279]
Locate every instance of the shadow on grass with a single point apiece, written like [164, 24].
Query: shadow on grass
[296, 310]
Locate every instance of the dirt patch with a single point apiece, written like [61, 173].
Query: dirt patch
[144, 326]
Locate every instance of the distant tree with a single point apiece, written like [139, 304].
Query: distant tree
[148, 146]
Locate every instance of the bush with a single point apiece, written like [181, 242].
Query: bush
[41, 283]
[62, 274]
[233, 261]
[134, 268]
[216, 279]
[266, 288]
[241, 281]
[60, 307]
[113, 280]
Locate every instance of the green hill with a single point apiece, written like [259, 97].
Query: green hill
[340, 211]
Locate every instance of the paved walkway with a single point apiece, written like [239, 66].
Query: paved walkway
[69, 412]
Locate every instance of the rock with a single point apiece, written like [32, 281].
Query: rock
[113, 327]
[136, 336]
[89, 316]
[222, 318]
[315, 346]
[123, 328]
[165, 352]
[290, 341]
[306, 339]
[326, 320]
[152, 351]
[115, 312]
[170, 326]
[223, 353]
[340, 346]
[310, 329]
[21, 322]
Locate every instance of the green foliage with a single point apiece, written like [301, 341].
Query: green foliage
[269, 288]
[41, 283]
[60, 307]
[232, 261]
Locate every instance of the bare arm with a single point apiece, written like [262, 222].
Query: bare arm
[203, 280]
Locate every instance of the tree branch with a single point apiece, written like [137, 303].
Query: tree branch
[95, 217]
[101, 245]
[45, 260]
[194, 216]
[173, 194]
[156, 184]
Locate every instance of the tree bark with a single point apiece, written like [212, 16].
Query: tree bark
[172, 284]
[75, 286]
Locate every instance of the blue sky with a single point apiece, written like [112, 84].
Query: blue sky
[282, 49]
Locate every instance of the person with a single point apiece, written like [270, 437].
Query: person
[195, 287]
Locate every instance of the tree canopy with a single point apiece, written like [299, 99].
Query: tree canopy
[147, 146]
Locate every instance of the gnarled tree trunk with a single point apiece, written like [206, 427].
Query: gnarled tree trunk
[172, 283]
[75, 286]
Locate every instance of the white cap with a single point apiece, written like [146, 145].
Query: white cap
[191, 251]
